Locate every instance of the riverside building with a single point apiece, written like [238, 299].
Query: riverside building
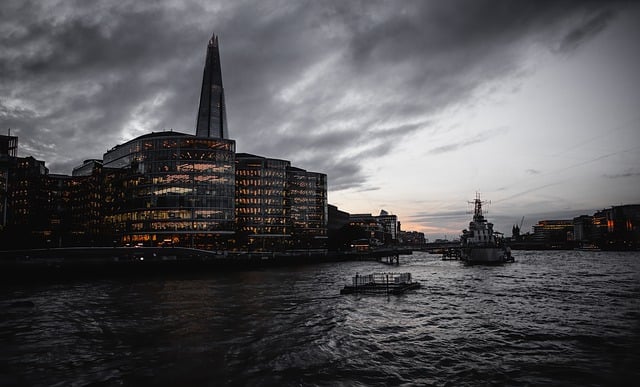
[8, 154]
[171, 188]
[553, 232]
[307, 197]
[168, 189]
[279, 206]
[262, 211]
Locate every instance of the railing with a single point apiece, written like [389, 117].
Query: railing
[381, 278]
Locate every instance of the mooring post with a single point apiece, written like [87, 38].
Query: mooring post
[387, 283]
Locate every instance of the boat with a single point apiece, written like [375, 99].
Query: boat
[480, 244]
[588, 247]
[381, 283]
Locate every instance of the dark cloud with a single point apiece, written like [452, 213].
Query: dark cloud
[622, 175]
[306, 81]
[475, 139]
[581, 33]
[428, 216]
[528, 190]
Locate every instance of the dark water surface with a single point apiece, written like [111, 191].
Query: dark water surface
[554, 318]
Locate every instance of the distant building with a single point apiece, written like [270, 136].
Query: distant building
[412, 238]
[88, 168]
[339, 235]
[212, 113]
[375, 230]
[615, 228]
[8, 146]
[382, 229]
[599, 227]
[390, 225]
[8, 154]
[583, 228]
[515, 233]
[336, 218]
[553, 231]
[624, 227]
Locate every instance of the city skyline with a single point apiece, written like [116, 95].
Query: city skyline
[403, 111]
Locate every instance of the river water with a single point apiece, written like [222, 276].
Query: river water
[556, 318]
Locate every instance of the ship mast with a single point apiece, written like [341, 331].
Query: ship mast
[477, 209]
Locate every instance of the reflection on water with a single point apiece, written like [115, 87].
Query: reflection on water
[561, 318]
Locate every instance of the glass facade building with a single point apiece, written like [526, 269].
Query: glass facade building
[212, 113]
[307, 200]
[371, 225]
[390, 224]
[262, 213]
[87, 205]
[171, 188]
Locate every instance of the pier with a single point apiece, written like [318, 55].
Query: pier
[381, 283]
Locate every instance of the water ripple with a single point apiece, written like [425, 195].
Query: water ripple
[566, 318]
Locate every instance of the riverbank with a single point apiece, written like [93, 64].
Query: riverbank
[109, 261]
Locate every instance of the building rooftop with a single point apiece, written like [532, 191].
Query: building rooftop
[169, 133]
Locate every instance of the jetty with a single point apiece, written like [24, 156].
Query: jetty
[452, 254]
[381, 283]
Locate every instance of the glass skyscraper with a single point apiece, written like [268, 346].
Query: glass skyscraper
[212, 114]
[171, 188]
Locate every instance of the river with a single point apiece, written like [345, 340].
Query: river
[552, 317]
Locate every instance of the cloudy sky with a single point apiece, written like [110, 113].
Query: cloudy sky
[407, 106]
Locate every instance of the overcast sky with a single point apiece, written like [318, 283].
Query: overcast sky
[407, 106]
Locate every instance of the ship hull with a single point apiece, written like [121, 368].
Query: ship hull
[483, 255]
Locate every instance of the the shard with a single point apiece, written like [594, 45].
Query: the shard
[212, 114]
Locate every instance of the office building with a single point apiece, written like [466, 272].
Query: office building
[337, 218]
[171, 188]
[390, 224]
[307, 202]
[8, 154]
[262, 212]
[87, 209]
[212, 113]
[553, 231]
[615, 228]
[27, 201]
[373, 228]
[412, 238]
[583, 228]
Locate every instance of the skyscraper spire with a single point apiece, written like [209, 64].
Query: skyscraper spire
[212, 113]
